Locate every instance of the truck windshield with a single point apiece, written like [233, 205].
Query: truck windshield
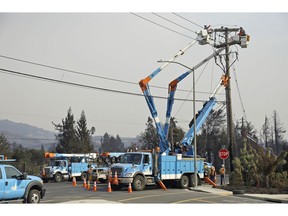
[131, 158]
[57, 163]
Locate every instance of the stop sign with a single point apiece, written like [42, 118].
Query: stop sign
[223, 153]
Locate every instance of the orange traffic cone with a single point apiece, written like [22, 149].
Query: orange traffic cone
[110, 177]
[129, 188]
[95, 186]
[84, 183]
[74, 181]
[109, 187]
[88, 185]
[115, 179]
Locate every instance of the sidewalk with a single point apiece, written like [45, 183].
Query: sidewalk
[278, 198]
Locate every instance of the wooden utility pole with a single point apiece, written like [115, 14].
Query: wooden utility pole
[230, 126]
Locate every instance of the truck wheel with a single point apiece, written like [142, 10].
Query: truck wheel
[100, 159]
[34, 196]
[113, 160]
[84, 175]
[58, 177]
[138, 183]
[184, 182]
[107, 160]
[192, 181]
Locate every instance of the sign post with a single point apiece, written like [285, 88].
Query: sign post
[223, 154]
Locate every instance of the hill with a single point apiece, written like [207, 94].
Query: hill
[33, 137]
[26, 135]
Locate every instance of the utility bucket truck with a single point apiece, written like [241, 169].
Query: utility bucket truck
[161, 165]
[64, 166]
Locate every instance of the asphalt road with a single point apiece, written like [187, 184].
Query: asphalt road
[66, 193]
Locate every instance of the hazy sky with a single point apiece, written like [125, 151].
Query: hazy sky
[117, 50]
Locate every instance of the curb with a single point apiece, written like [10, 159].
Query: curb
[275, 200]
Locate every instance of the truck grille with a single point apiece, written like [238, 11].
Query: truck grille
[118, 170]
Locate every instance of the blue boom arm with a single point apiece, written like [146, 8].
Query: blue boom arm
[173, 86]
[200, 119]
[144, 85]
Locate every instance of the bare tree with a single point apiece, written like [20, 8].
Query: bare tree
[265, 132]
[278, 132]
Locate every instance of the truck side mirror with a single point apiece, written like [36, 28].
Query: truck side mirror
[24, 175]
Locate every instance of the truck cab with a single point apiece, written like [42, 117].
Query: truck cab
[135, 168]
[17, 185]
[57, 170]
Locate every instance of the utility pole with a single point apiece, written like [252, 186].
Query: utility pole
[230, 127]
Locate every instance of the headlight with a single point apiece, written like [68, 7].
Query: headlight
[128, 174]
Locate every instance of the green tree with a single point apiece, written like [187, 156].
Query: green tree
[111, 144]
[211, 132]
[84, 135]
[119, 144]
[149, 138]
[67, 137]
[175, 134]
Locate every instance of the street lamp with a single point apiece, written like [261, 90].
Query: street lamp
[194, 114]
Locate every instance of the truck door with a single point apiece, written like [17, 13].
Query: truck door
[1, 184]
[147, 164]
[13, 188]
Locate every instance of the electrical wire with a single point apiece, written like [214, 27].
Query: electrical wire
[240, 98]
[89, 75]
[162, 26]
[66, 70]
[188, 20]
[16, 73]
[174, 23]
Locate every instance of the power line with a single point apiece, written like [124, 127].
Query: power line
[89, 75]
[174, 23]
[63, 69]
[16, 73]
[188, 20]
[162, 26]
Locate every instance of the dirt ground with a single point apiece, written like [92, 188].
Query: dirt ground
[257, 190]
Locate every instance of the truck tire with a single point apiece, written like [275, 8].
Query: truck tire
[113, 160]
[138, 183]
[100, 159]
[58, 177]
[192, 181]
[84, 175]
[34, 196]
[184, 182]
[107, 160]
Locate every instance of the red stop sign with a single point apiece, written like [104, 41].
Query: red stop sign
[223, 153]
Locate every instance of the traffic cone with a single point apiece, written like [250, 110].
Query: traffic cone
[115, 179]
[110, 177]
[95, 186]
[129, 188]
[84, 183]
[74, 181]
[109, 187]
[88, 185]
